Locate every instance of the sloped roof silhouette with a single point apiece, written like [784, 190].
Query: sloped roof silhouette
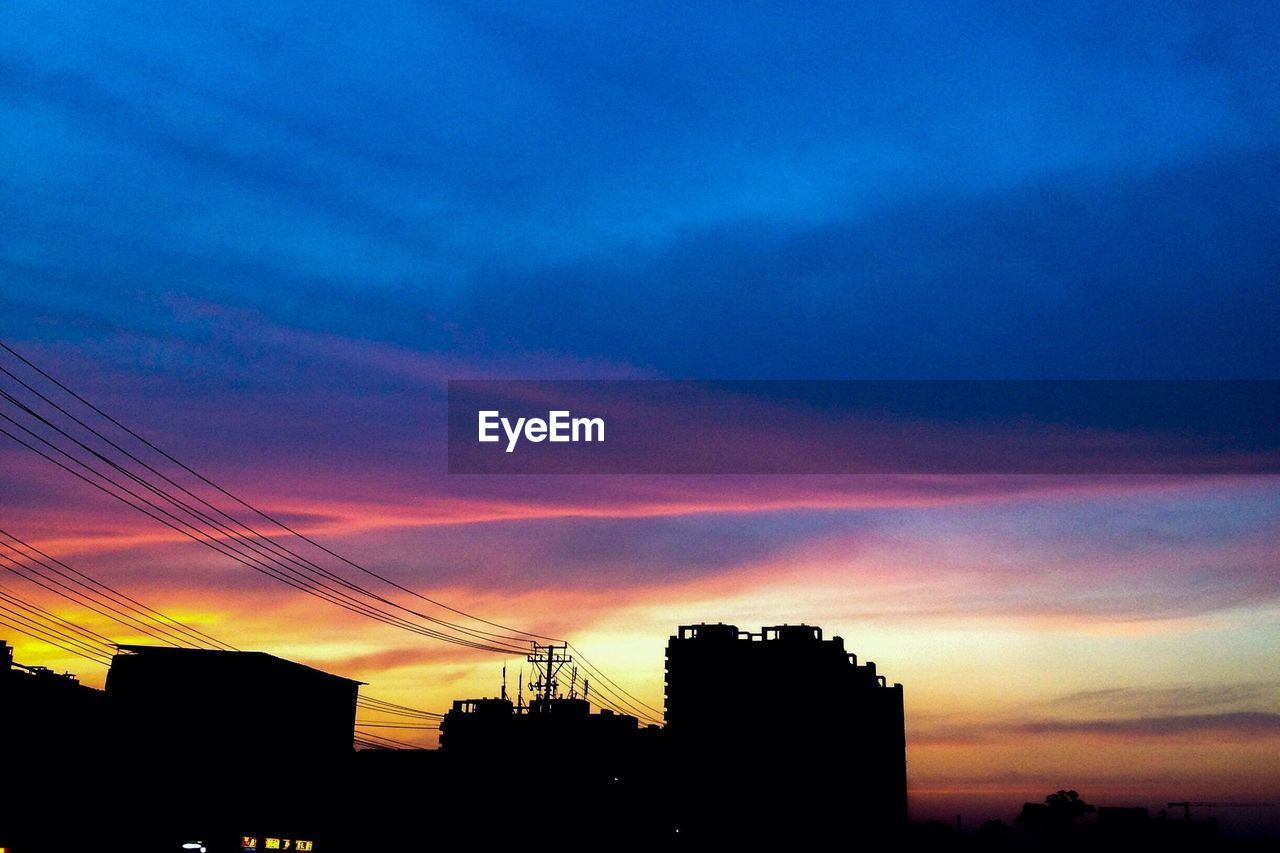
[263, 661]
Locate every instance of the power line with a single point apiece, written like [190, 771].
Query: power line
[30, 574]
[390, 741]
[35, 627]
[369, 744]
[392, 709]
[298, 581]
[92, 636]
[254, 558]
[276, 548]
[600, 674]
[158, 617]
[248, 506]
[260, 552]
[104, 661]
[125, 601]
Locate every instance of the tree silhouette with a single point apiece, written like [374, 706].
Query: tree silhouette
[1068, 804]
[1058, 812]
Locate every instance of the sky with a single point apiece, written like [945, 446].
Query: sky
[266, 235]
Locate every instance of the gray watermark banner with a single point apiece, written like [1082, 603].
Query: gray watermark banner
[863, 427]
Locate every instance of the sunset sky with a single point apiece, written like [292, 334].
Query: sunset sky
[265, 238]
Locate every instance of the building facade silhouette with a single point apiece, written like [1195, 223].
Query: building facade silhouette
[224, 704]
[45, 711]
[779, 736]
[783, 731]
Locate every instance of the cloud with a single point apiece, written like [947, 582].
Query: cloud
[1193, 709]
[379, 662]
[1167, 700]
[666, 192]
[1082, 276]
[1235, 725]
[1239, 724]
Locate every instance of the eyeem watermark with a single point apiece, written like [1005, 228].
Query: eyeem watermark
[864, 427]
[558, 426]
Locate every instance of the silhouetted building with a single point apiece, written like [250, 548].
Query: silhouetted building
[783, 732]
[42, 710]
[568, 743]
[774, 737]
[606, 763]
[476, 727]
[51, 731]
[227, 706]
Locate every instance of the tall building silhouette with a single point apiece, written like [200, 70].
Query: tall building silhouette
[782, 732]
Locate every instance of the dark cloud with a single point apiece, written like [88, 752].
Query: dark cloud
[1173, 699]
[607, 553]
[1235, 724]
[1171, 274]
[921, 190]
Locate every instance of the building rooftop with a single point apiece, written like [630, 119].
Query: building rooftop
[261, 660]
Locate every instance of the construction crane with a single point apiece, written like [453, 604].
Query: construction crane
[1188, 805]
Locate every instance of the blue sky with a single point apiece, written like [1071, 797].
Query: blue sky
[932, 189]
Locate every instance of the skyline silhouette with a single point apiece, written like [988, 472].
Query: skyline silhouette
[236, 747]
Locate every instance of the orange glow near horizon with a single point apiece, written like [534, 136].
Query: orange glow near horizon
[1005, 607]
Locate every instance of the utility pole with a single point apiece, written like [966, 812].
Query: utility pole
[548, 660]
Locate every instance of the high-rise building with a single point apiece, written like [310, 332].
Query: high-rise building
[783, 731]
